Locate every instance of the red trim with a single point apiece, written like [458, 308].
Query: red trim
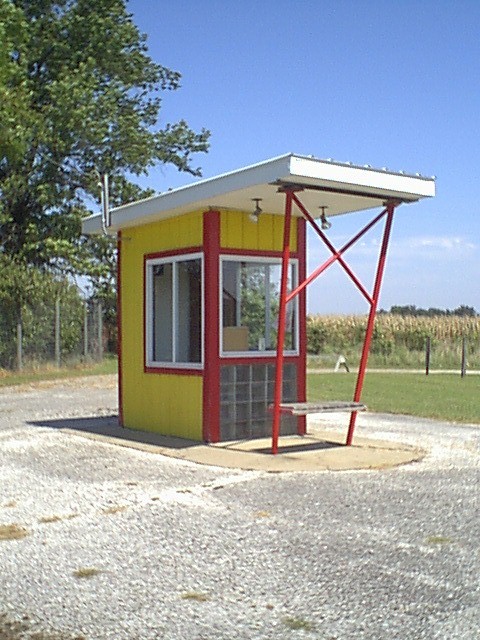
[371, 318]
[119, 329]
[211, 358]
[174, 371]
[255, 253]
[257, 360]
[172, 252]
[146, 258]
[144, 312]
[302, 324]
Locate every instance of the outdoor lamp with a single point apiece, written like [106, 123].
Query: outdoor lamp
[257, 211]
[325, 224]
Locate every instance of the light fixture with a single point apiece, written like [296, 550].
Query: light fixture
[325, 224]
[257, 211]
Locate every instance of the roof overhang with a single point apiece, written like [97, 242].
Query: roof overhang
[343, 188]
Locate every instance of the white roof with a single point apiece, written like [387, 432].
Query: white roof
[342, 187]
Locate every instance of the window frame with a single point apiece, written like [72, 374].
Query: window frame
[150, 263]
[260, 259]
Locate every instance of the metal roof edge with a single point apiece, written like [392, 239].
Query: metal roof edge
[179, 196]
[304, 168]
[366, 167]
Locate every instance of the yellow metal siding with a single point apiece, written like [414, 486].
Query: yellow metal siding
[237, 231]
[168, 404]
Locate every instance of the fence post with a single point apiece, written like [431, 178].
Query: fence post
[19, 346]
[463, 371]
[85, 331]
[427, 356]
[100, 330]
[57, 333]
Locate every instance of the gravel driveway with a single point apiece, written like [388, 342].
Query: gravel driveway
[107, 542]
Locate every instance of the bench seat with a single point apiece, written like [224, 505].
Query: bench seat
[303, 408]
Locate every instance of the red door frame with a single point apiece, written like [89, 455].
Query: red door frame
[211, 357]
[212, 360]
[337, 256]
[119, 329]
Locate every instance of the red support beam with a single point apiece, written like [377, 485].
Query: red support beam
[301, 364]
[372, 299]
[371, 318]
[281, 321]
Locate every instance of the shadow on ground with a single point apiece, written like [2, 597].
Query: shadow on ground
[108, 426]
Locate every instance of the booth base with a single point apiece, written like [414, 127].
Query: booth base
[318, 451]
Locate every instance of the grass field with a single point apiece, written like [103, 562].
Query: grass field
[9, 378]
[445, 397]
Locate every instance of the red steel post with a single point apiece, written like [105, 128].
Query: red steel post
[371, 318]
[119, 329]
[302, 323]
[281, 322]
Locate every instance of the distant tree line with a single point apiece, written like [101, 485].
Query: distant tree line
[411, 310]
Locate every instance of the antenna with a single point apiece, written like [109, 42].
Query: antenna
[106, 219]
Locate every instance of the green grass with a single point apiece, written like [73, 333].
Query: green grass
[12, 378]
[298, 624]
[445, 397]
[438, 540]
[196, 596]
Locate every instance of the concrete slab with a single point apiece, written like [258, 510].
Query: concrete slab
[320, 450]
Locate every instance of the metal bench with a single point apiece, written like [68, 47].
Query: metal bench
[303, 408]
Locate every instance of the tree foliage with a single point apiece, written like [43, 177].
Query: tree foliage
[28, 294]
[412, 310]
[80, 96]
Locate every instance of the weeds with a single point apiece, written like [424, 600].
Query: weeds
[115, 509]
[12, 532]
[298, 624]
[438, 540]
[197, 596]
[86, 572]
[262, 514]
[55, 518]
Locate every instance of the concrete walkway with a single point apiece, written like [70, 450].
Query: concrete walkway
[320, 450]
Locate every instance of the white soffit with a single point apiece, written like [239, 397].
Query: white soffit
[342, 188]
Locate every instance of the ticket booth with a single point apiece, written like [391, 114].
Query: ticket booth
[211, 286]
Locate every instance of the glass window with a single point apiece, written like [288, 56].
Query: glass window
[174, 310]
[250, 305]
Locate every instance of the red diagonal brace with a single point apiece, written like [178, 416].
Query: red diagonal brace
[284, 298]
[371, 318]
[337, 255]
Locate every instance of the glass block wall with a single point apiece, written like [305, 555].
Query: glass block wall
[246, 391]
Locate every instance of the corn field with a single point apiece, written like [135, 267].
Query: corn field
[397, 340]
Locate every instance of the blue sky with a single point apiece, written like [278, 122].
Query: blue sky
[388, 83]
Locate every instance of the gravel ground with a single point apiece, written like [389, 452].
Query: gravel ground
[120, 544]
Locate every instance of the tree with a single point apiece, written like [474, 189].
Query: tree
[29, 294]
[464, 310]
[79, 97]
[412, 310]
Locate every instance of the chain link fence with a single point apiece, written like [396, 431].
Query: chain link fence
[58, 333]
